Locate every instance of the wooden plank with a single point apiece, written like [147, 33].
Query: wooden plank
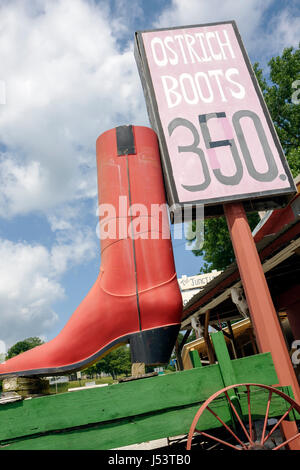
[116, 401]
[255, 369]
[117, 434]
[126, 400]
[223, 358]
[143, 428]
[194, 356]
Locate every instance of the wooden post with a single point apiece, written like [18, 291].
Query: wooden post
[226, 369]
[138, 369]
[210, 350]
[263, 315]
[223, 358]
[232, 340]
[178, 355]
[26, 386]
[253, 341]
[195, 359]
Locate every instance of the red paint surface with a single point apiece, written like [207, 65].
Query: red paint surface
[266, 325]
[263, 315]
[110, 309]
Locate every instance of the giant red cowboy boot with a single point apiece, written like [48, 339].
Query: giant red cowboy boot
[136, 297]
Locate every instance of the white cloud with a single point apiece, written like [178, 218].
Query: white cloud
[264, 32]
[30, 282]
[26, 291]
[284, 30]
[247, 14]
[74, 247]
[66, 82]
[21, 186]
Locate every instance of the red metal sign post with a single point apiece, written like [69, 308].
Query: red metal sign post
[263, 315]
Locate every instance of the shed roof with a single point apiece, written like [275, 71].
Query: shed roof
[277, 238]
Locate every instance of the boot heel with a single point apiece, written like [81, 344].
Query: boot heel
[153, 347]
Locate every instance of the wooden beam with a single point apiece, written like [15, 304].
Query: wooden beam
[217, 327]
[263, 314]
[178, 356]
[223, 358]
[210, 350]
[232, 340]
[185, 337]
[253, 342]
[195, 359]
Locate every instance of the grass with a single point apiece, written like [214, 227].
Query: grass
[63, 387]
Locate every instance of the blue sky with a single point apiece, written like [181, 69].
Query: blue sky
[69, 75]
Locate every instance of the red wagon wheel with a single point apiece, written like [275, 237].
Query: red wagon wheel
[247, 437]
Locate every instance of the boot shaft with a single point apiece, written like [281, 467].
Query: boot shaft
[136, 249]
[136, 297]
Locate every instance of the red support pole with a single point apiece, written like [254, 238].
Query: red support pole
[263, 315]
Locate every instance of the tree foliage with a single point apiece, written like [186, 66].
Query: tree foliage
[22, 346]
[282, 95]
[217, 250]
[115, 363]
[283, 101]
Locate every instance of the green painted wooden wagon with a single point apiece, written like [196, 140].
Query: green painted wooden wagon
[158, 407]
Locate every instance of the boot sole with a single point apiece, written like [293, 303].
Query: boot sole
[151, 347]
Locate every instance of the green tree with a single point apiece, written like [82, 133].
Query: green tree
[279, 93]
[115, 363]
[217, 250]
[22, 346]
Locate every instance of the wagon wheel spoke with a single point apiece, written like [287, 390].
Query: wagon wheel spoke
[287, 441]
[227, 427]
[278, 423]
[214, 446]
[217, 439]
[249, 414]
[197, 430]
[252, 427]
[238, 417]
[254, 442]
[266, 418]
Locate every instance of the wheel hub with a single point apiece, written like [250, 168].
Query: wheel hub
[257, 446]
